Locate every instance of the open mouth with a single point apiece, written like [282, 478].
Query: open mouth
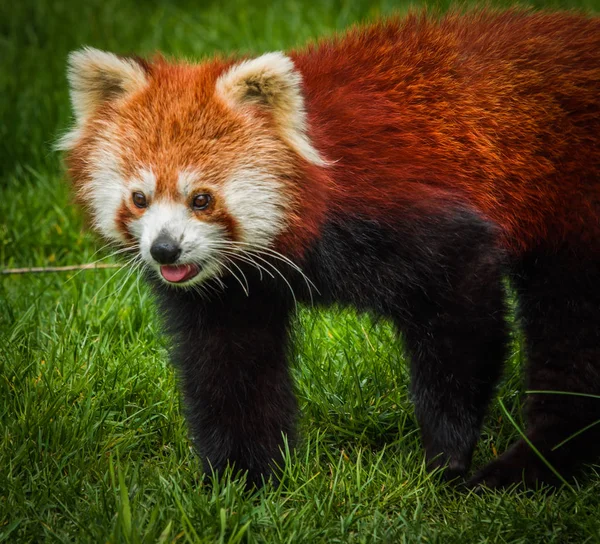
[179, 273]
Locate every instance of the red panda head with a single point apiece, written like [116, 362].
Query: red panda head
[189, 164]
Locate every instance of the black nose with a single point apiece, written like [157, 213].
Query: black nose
[165, 250]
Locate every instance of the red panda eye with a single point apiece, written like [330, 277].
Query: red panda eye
[201, 202]
[139, 199]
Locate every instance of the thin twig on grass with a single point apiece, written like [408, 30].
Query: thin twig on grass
[43, 269]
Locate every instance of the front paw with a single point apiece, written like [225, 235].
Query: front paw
[451, 470]
[245, 462]
[252, 478]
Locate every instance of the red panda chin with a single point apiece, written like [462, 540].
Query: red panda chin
[179, 273]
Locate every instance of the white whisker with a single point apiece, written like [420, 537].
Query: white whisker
[257, 250]
[233, 274]
[133, 263]
[113, 254]
[240, 271]
[282, 277]
[244, 256]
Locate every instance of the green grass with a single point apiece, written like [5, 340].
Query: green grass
[93, 445]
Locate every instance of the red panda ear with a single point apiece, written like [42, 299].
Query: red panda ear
[96, 76]
[271, 81]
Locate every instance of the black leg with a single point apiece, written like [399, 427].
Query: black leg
[560, 310]
[439, 275]
[231, 357]
[457, 340]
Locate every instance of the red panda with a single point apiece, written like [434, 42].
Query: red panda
[405, 168]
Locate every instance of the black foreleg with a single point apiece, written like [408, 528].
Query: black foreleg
[231, 357]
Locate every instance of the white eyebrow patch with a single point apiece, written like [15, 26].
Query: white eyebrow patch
[186, 180]
[145, 182]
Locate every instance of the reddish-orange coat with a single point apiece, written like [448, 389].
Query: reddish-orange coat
[501, 109]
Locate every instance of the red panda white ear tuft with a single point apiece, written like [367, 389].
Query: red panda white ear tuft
[95, 77]
[272, 81]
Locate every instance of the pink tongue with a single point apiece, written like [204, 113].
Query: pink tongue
[179, 273]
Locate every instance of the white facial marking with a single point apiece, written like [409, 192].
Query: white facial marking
[105, 192]
[185, 181]
[257, 201]
[161, 216]
[68, 140]
[144, 182]
[195, 238]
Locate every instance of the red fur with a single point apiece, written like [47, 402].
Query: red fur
[499, 110]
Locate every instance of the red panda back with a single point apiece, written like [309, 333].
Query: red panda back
[498, 110]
